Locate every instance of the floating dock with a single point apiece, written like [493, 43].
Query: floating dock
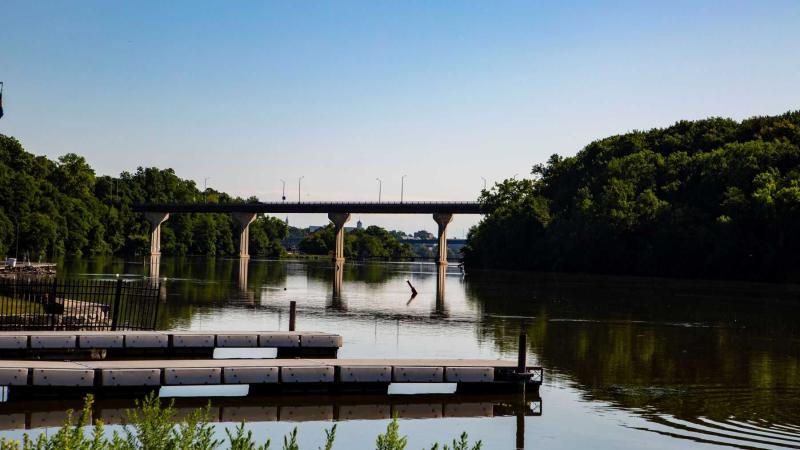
[301, 376]
[161, 344]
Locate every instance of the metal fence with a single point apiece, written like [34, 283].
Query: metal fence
[50, 304]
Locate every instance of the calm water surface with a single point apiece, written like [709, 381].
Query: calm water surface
[630, 362]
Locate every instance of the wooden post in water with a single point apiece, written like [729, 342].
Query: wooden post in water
[522, 356]
[522, 372]
[292, 314]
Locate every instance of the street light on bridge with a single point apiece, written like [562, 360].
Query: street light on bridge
[380, 188]
[205, 188]
[484, 183]
[283, 196]
[402, 186]
[298, 187]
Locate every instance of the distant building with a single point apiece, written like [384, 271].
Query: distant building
[359, 225]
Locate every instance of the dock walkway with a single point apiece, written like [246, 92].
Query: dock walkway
[262, 375]
[159, 344]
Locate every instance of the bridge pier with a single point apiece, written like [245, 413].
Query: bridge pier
[338, 219]
[442, 219]
[155, 219]
[244, 219]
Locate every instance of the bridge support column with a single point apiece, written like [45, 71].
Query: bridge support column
[442, 219]
[155, 219]
[338, 219]
[244, 220]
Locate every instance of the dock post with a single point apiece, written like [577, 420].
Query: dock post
[522, 357]
[522, 369]
[115, 308]
[520, 413]
[292, 314]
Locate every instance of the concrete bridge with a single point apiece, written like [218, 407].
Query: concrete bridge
[338, 212]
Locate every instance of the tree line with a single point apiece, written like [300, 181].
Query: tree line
[52, 208]
[708, 198]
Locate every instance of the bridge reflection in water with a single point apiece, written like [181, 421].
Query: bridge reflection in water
[153, 264]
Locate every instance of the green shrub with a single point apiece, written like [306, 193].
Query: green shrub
[153, 426]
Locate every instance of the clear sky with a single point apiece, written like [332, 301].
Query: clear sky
[249, 93]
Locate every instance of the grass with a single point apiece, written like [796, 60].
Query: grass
[153, 426]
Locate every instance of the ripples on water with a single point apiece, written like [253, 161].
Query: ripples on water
[630, 362]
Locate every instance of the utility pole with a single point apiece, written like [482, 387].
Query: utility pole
[205, 188]
[283, 196]
[380, 188]
[484, 183]
[16, 252]
[402, 186]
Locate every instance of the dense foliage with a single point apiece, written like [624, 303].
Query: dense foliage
[710, 198]
[373, 241]
[61, 207]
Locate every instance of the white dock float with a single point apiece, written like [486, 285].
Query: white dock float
[307, 374]
[63, 377]
[365, 374]
[53, 341]
[184, 340]
[193, 376]
[251, 375]
[131, 377]
[146, 340]
[14, 342]
[13, 376]
[417, 374]
[237, 340]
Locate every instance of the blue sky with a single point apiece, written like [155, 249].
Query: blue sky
[249, 93]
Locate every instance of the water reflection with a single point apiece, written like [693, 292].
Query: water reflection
[41, 414]
[706, 361]
[710, 362]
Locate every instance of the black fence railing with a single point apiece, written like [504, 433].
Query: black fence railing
[49, 304]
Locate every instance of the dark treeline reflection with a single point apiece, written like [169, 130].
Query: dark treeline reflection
[682, 348]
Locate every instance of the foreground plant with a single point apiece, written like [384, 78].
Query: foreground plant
[153, 426]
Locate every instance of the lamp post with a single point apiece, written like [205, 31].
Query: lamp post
[484, 183]
[298, 187]
[380, 188]
[402, 186]
[515, 176]
[283, 195]
[16, 252]
[205, 188]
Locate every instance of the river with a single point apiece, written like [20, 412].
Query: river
[629, 362]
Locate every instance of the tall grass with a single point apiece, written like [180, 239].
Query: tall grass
[150, 425]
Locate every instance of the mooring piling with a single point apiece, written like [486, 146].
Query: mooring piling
[292, 315]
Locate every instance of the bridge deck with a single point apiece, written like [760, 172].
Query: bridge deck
[318, 207]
